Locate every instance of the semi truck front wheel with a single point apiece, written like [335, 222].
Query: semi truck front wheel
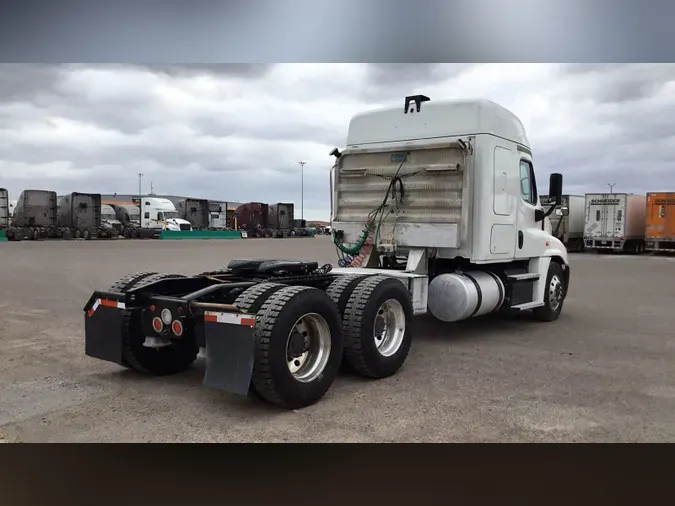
[554, 294]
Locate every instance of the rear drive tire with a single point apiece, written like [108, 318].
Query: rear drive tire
[250, 301]
[128, 281]
[554, 295]
[290, 371]
[171, 359]
[253, 298]
[377, 326]
[340, 290]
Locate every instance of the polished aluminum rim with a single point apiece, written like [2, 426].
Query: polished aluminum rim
[312, 332]
[555, 293]
[389, 327]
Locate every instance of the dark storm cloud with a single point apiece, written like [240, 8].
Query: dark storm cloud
[202, 160]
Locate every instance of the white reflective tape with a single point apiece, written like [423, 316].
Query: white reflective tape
[232, 318]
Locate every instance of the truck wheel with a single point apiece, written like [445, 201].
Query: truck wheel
[86, 234]
[157, 361]
[35, 234]
[128, 281]
[298, 341]
[172, 359]
[554, 296]
[340, 290]
[253, 298]
[250, 302]
[376, 325]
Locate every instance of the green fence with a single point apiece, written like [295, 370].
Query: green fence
[199, 234]
[3, 236]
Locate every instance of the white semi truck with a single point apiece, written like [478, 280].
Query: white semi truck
[160, 214]
[435, 208]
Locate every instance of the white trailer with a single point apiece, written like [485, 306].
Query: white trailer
[567, 222]
[435, 208]
[615, 222]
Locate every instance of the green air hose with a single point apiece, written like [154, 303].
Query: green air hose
[355, 249]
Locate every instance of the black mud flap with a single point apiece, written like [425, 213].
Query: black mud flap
[103, 330]
[230, 351]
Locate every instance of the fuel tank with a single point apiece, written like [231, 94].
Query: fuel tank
[458, 296]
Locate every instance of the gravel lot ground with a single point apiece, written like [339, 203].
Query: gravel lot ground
[602, 372]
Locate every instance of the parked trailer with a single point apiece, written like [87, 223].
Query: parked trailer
[253, 218]
[81, 213]
[567, 222]
[218, 216]
[5, 214]
[615, 222]
[195, 211]
[660, 222]
[414, 199]
[36, 217]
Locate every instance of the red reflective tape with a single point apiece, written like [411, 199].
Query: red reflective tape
[109, 303]
[250, 322]
[211, 318]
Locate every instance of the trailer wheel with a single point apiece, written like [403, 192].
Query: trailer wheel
[298, 341]
[35, 234]
[554, 296]
[376, 325]
[86, 234]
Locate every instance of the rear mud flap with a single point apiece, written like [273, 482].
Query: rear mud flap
[103, 332]
[230, 352]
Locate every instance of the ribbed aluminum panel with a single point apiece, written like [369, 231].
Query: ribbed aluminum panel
[433, 182]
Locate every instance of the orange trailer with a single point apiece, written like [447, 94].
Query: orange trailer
[660, 231]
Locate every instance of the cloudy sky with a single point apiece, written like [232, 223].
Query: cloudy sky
[236, 132]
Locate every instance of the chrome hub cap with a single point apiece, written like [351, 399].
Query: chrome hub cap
[389, 327]
[308, 347]
[555, 293]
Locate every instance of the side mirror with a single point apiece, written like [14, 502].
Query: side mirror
[555, 188]
[562, 211]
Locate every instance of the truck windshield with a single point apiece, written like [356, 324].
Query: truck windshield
[170, 214]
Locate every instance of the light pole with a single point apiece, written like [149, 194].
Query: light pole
[140, 183]
[611, 187]
[302, 189]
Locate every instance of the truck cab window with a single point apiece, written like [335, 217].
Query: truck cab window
[146, 216]
[528, 185]
[160, 215]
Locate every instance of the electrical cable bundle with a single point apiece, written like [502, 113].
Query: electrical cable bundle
[375, 219]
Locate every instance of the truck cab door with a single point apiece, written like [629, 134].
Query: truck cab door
[531, 236]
